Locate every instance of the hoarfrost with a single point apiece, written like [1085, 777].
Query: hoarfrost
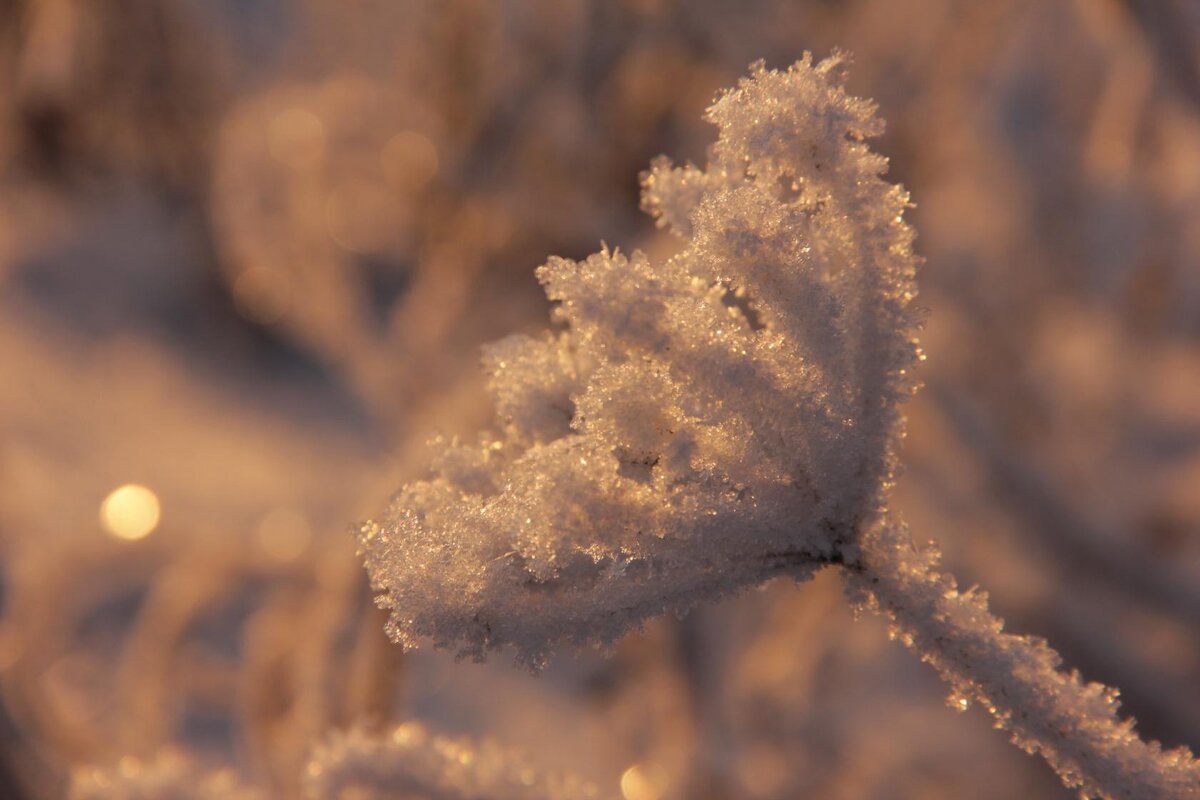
[729, 415]
[672, 445]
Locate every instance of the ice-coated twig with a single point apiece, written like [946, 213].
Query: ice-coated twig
[1070, 723]
[409, 761]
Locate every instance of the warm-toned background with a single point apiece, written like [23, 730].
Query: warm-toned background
[248, 250]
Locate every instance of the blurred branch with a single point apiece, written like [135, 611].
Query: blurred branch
[1163, 702]
[1163, 24]
[1073, 538]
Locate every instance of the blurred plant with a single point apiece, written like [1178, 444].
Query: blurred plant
[724, 418]
[76, 102]
[170, 776]
[410, 761]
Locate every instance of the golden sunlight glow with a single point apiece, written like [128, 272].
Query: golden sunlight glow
[636, 784]
[130, 512]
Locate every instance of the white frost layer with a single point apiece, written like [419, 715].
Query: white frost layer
[702, 424]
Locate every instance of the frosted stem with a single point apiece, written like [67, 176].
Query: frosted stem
[1072, 724]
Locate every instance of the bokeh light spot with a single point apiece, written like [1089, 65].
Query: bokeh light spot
[130, 512]
[295, 137]
[284, 534]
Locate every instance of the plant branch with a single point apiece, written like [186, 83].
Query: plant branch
[1072, 724]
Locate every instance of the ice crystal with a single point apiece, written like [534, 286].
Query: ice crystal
[701, 424]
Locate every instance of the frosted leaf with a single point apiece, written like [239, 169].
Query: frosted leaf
[705, 423]
[409, 761]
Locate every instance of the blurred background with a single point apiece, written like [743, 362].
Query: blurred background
[249, 250]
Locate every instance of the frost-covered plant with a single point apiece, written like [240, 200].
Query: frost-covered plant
[410, 761]
[727, 416]
[703, 424]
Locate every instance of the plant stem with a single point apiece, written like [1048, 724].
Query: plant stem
[1072, 724]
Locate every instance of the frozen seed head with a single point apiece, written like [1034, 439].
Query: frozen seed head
[703, 424]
